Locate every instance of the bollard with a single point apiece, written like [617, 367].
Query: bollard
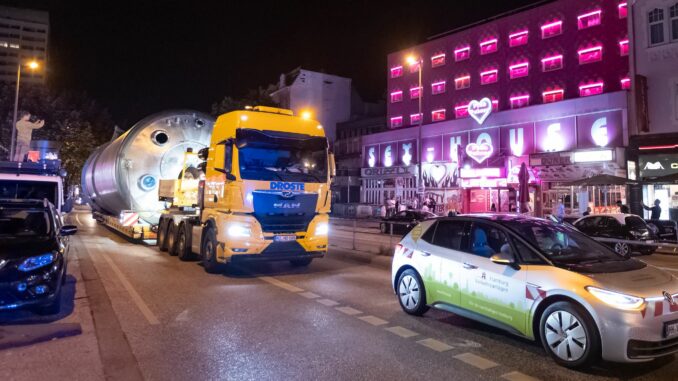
[354, 226]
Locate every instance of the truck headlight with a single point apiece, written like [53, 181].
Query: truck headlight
[239, 230]
[616, 299]
[36, 262]
[322, 228]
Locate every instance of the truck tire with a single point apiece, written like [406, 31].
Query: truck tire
[162, 234]
[172, 238]
[183, 243]
[208, 252]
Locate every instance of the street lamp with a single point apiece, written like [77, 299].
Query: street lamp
[32, 65]
[411, 60]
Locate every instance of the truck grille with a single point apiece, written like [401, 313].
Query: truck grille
[279, 213]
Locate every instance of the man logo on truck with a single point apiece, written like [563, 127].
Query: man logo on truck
[284, 186]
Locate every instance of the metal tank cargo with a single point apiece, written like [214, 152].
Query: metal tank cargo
[122, 176]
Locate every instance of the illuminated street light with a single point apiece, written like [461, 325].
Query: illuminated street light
[32, 65]
[412, 60]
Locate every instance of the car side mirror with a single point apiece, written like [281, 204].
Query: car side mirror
[68, 230]
[504, 257]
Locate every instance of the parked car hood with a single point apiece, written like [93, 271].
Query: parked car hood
[646, 282]
[26, 247]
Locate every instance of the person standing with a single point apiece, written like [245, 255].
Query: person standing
[24, 134]
[622, 208]
[560, 210]
[655, 211]
[587, 212]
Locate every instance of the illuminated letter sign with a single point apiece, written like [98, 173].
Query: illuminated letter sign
[480, 110]
[599, 132]
[407, 153]
[388, 157]
[482, 149]
[372, 157]
[517, 145]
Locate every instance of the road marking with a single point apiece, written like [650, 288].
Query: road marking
[309, 295]
[667, 269]
[475, 360]
[348, 310]
[434, 344]
[517, 376]
[373, 320]
[327, 302]
[183, 316]
[281, 284]
[136, 298]
[401, 331]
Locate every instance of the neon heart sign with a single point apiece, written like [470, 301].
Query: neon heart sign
[482, 149]
[480, 110]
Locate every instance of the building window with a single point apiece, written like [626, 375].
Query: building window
[396, 72]
[489, 76]
[624, 47]
[588, 20]
[673, 15]
[551, 29]
[655, 20]
[488, 46]
[396, 121]
[462, 53]
[591, 89]
[438, 60]
[461, 111]
[519, 101]
[438, 115]
[463, 82]
[551, 63]
[415, 92]
[495, 105]
[396, 96]
[438, 87]
[519, 70]
[622, 10]
[589, 55]
[625, 83]
[518, 38]
[551, 96]
[415, 118]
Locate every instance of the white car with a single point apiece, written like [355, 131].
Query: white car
[539, 280]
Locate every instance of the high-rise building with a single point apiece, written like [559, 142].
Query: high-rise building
[23, 36]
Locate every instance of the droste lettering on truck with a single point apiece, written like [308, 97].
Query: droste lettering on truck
[281, 185]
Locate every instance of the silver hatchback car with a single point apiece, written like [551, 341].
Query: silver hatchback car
[543, 281]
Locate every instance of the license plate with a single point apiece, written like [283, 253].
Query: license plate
[671, 329]
[285, 238]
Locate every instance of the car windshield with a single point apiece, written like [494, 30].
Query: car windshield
[22, 189]
[21, 223]
[562, 244]
[284, 157]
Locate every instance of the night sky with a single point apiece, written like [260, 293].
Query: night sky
[141, 57]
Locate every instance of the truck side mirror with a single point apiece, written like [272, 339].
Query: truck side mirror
[332, 165]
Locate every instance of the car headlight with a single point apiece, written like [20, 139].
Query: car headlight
[616, 299]
[322, 228]
[239, 230]
[36, 262]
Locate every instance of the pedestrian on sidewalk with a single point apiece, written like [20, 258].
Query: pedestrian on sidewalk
[655, 211]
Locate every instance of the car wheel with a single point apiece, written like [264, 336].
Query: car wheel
[411, 293]
[172, 231]
[162, 235]
[569, 335]
[622, 249]
[208, 253]
[301, 262]
[183, 244]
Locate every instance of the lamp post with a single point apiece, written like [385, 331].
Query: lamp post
[411, 60]
[33, 64]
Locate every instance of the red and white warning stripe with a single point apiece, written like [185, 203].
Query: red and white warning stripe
[534, 292]
[129, 218]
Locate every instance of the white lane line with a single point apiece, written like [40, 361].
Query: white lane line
[136, 298]
[517, 376]
[281, 284]
[667, 269]
[434, 344]
[309, 295]
[373, 320]
[327, 302]
[477, 361]
[348, 310]
[401, 331]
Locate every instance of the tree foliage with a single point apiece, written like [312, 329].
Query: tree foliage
[254, 97]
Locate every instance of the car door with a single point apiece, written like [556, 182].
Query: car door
[442, 278]
[494, 290]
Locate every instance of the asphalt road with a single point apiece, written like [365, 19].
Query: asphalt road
[151, 316]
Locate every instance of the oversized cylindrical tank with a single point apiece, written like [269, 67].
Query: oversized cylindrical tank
[124, 173]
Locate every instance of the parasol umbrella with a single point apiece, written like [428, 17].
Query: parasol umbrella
[599, 180]
[523, 189]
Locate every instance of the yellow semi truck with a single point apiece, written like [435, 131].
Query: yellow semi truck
[260, 191]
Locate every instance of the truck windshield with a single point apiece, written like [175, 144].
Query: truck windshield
[268, 155]
[21, 189]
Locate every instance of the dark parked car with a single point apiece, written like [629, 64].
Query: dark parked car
[620, 226]
[33, 253]
[404, 221]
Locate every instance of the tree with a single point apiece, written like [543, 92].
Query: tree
[253, 97]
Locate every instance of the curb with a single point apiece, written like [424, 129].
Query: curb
[12, 336]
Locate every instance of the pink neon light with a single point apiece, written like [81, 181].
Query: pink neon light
[461, 54]
[438, 60]
[461, 111]
[518, 38]
[415, 92]
[519, 97]
[438, 87]
[396, 71]
[591, 89]
[590, 54]
[519, 101]
[552, 63]
[551, 29]
[646, 148]
[626, 83]
[438, 115]
[489, 76]
[622, 10]
[518, 34]
[396, 121]
[588, 20]
[551, 25]
[624, 47]
[552, 95]
[488, 46]
[414, 118]
[462, 78]
[396, 96]
[495, 104]
[519, 70]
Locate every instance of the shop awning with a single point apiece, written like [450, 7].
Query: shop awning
[599, 180]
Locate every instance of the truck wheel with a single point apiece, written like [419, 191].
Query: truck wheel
[301, 262]
[162, 235]
[183, 244]
[208, 252]
[172, 238]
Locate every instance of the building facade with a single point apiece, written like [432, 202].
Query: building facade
[23, 36]
[545, 86]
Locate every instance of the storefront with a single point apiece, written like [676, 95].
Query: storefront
[471, 164]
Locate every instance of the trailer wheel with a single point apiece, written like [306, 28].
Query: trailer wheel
[183, 244]
[162, 234]
[208, 252]
[172, 238]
